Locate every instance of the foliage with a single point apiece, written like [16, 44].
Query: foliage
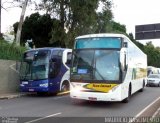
[59, 35]
[37, 28]
[153, 54]
[76, 17]
[15, 27]
[117, 27]
[104, 21]
[70, 19]
[10, 51]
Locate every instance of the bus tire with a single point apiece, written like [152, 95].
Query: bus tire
[142, 89]
[65, 86]
[126, 100]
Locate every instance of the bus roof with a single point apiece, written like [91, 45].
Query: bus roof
[101, 35]
[47, 48]
[107, 35]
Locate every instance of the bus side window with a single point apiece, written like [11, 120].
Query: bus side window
[125, 63]
[69, 55]
[54, 68]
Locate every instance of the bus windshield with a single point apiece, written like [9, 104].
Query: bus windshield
[35, 65]
[95, 64]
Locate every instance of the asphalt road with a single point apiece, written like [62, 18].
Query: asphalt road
[59, 109]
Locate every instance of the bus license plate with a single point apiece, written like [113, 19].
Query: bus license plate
[92, 98]
[31, 90]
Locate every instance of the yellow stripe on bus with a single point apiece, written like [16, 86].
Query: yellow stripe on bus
[100, 87]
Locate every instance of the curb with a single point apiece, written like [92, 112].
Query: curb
[10, 96]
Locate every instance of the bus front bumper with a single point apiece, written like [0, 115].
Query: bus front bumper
[33, 89]
[94, 96]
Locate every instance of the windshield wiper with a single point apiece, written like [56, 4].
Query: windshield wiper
[96, 70]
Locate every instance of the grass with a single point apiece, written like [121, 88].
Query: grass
[10, 51]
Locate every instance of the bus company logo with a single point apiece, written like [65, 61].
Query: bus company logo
[100, 87]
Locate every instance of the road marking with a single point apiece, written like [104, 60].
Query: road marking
[52, 115]
[144, 110]
[154, 115]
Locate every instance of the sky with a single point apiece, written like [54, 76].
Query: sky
[137, 12]
[11, 15]
[127, 12]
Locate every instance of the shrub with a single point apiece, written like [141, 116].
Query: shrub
[10, 51]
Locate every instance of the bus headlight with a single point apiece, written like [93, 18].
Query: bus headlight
[76, 89]
[21, 85]
[43, 85]
[114, 88]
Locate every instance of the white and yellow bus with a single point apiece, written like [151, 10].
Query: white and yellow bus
[106, 67]
[153, 70]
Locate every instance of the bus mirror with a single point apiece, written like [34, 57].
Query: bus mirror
[125, 44]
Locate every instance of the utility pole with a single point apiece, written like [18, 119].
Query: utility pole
[18, 35]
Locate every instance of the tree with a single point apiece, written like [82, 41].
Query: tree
[131, 36]
[104, 18]
[38, 28]
[153, 54]
[119, 28]
[77, 17]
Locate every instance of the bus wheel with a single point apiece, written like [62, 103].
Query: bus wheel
[141, 90]
[126, 100]
[65, 87]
